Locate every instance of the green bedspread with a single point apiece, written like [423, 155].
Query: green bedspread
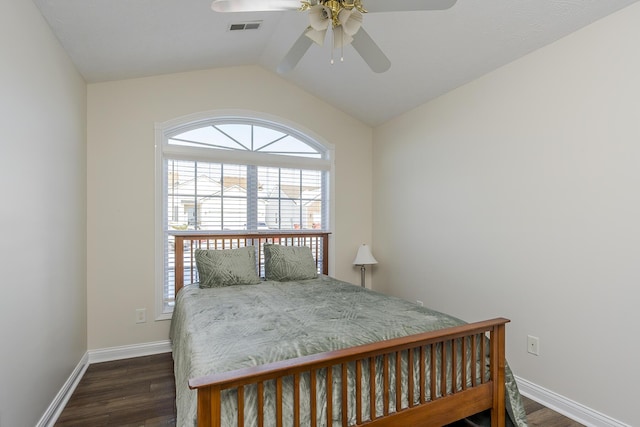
[222, 329]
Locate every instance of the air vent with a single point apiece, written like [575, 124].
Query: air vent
[241, 26]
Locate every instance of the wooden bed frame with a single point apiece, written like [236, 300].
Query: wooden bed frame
[479, 391]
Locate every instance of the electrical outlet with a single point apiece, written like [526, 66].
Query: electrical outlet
[533, 345]
[420, 303]
[141, 315]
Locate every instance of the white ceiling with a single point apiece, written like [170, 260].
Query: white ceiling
[431, 52]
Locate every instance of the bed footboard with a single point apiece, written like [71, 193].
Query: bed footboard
[428, 379]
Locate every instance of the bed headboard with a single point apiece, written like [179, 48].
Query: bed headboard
[186, 242]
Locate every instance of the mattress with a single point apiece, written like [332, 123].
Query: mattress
[221, 329]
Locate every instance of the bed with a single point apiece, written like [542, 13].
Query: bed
[315, 351]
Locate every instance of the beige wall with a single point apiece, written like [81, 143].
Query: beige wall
[528, 204]
[42, 250]
[121, 120]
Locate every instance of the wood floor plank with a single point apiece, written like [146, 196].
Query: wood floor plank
[141, 392]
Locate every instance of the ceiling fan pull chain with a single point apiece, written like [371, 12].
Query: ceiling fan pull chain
[342, 45]
[333, 36]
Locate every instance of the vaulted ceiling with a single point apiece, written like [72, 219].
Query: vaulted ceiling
[431, 52]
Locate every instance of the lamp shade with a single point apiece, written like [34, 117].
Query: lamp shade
[364, 256]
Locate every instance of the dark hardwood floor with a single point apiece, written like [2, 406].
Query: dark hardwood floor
[141, 392]
[130, 392]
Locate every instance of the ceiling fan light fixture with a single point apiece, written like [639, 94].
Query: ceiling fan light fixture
[317, 36]
[350, 20]
[319, 17]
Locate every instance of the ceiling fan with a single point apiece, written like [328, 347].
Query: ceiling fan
[342, 17]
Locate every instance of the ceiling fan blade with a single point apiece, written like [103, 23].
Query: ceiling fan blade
[370, 52]
[295, 54]
[407, 5]
[254, 5]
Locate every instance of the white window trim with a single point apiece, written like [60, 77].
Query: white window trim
[192, 121]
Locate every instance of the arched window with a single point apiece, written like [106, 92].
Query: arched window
[237, 174]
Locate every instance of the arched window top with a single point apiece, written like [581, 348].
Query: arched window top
[247, 136]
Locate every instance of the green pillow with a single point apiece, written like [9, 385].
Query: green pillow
[285, 263]
[227, 267]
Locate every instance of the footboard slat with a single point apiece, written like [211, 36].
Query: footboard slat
[398, 381]
[455, 397]
[260, 404]
[464, 363]
[454, 366]
[483, 366]
[443, 371]
[359, 391]
[279, 413]
[423, 375]
[241, 405]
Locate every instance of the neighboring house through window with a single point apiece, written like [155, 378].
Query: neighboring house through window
[231, 173]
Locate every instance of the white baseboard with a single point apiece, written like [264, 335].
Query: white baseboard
[128, 351]
[59, 402]
[566, 407]
[96, 356]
